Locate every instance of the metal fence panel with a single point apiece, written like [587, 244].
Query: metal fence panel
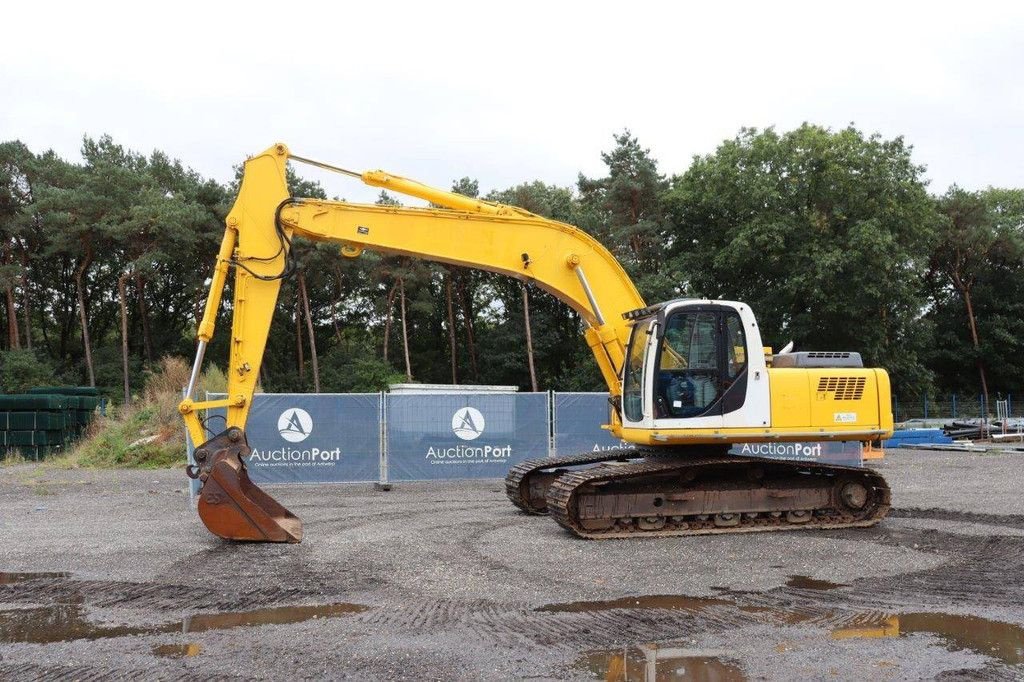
[460, 436]
[577, 426]
[323, 438]
[950, 406]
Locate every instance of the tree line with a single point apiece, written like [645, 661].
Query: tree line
[832, 237]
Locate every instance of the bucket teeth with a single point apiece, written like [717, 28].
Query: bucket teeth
[230, 504]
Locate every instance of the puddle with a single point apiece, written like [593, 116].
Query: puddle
[869, 627]
[275, 616]
[674, 602]
[177, 650]
[803, 582]
[995, 639]
[7, 578]
[66, 622]
[1002, 641]
[660, 663]
[678, 602]
[992, 638]
[63, 622]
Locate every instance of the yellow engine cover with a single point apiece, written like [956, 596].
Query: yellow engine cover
[833, 399]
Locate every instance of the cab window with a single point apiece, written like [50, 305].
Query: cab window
[702, 363]
[736, 346]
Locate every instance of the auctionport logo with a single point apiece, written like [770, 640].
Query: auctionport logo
[295, 425]
[468, 423]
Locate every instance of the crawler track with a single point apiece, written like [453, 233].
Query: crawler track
[527, 482]
[698, 495]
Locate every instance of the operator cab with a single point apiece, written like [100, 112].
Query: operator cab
[691, 363]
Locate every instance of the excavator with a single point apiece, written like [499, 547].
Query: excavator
[687, 379]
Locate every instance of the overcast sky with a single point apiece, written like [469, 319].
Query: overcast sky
[512, 91]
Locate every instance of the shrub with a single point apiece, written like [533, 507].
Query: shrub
[20, 370]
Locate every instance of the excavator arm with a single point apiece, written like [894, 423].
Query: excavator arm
[554, 256]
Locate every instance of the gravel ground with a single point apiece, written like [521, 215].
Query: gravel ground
[450, 582]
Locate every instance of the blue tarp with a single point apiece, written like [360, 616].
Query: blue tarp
[578, 418]
[915, 436]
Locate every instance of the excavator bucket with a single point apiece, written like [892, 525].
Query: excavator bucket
[230, 504]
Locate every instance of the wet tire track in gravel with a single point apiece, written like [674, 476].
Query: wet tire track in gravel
[980, 573]
[40, 673]
[980, 570]
[1012, 520]
[163, 598]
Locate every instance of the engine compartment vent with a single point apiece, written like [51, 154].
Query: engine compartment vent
[817, 359]
[842, 388]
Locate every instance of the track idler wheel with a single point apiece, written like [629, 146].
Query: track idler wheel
[854, 495]
[232, 506]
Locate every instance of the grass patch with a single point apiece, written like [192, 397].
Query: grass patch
[148, 434]
[131, 437]
[13, 458]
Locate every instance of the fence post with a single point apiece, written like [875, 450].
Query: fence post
[981, 406]
[954, 406]
[895, 409]
[382, 409]
[1009, 405]
[925, 405]
[552, 425]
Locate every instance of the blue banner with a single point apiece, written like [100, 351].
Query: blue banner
[577, 429]
[321, 438]
[578, 418]
[459, 436]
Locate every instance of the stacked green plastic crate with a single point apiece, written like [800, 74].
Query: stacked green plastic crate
[82, 402]
[45, 420]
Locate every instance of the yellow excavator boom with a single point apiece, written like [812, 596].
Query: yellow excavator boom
[554, 256]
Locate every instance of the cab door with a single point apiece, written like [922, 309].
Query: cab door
[636, 383]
